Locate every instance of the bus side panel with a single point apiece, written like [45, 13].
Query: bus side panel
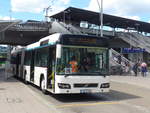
[38, 71]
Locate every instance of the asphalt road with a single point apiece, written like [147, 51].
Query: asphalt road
[123, 98]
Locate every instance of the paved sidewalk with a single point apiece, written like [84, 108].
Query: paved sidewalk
[138, 81]
[16, 97]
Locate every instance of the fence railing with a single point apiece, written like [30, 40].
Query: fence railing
[119, 64]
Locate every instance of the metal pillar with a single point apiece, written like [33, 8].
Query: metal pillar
[101, 16]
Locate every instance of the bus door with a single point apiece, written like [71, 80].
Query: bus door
[21, 62]
[32, 66]
[51, 68]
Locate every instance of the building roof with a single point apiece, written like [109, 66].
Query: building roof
[22, 33]
[78, 15]
[5, 24]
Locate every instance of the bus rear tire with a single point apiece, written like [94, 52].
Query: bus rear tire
[42, 86]
[26, 82]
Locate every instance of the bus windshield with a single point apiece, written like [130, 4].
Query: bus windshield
[82, 61]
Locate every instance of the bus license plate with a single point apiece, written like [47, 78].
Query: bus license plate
[85, 91]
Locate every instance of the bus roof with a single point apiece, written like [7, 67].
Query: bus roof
[17, 49]
[49, 40]
[69, 39]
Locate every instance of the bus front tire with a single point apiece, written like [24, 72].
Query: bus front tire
[42, 86]
[26, 82]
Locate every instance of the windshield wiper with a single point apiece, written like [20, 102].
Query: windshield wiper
[66, 75]
[103, 74]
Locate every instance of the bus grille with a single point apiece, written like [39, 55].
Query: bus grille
[86, 85]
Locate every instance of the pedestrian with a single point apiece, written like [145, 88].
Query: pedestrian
[127, 65]
[143, 69]
[135, 68]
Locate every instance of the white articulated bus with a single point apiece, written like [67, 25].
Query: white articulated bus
[66, 64]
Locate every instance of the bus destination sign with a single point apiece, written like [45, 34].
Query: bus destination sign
[82, 40]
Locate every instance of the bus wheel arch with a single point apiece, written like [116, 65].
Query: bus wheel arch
[42, 84]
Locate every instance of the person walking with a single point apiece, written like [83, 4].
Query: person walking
[135, 68]
[143, 69]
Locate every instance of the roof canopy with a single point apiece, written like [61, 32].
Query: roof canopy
[16, 32]
[5, 24]
[78, 15]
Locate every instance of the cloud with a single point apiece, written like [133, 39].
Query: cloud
[65, 1]
[6, 18]
[133, 17]
[37, 6]
[125, 8]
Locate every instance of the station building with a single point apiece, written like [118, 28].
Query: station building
[127, 38]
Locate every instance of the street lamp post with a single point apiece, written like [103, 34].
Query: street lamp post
[46, 11]
[65, 15]
[101, 16]
[10, 16]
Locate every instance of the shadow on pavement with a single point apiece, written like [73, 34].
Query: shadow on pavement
[118, 96]
[111, 96]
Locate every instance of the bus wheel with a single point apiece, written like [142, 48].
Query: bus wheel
[43, 87]
[26, 82]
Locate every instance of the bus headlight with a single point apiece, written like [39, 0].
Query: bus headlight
[105, 85]
[64, 86]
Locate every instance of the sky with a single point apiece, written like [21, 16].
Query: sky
[34, 9]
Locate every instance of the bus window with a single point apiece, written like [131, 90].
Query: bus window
[88, 60]
[41, 57]
[27, 61]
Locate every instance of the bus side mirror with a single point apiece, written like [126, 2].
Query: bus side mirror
[58, 51]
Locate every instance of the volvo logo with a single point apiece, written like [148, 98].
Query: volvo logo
[86, 85]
